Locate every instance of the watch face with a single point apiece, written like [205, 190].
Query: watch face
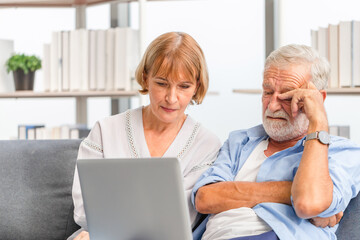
[324, 137]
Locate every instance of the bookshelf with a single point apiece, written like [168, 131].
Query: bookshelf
[80, 16]
[330, 91]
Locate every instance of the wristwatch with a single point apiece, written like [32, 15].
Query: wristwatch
[322, 136]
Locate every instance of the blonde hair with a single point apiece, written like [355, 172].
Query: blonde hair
[171, 53]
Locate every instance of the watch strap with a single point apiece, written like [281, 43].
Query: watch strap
[313, 135]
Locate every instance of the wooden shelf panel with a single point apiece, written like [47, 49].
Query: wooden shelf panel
[57, 3]
[49, 3]
[330, 91]
[344, 91]
[247, 91]
[31, 94]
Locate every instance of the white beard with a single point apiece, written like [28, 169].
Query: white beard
[280, 130]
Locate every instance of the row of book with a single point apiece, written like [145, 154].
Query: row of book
[90, 60]
[342, 131]
[340, 44]
[40, 132]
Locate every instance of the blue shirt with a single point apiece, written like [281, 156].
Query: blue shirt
[344, 166]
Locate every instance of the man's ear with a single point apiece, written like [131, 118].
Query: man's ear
[324, 94]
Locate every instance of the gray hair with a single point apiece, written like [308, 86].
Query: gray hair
[301, 54]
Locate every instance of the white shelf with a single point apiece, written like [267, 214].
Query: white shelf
[330, 91]
[59, 3]
[31, 94]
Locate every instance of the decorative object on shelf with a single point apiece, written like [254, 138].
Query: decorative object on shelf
[23, 68]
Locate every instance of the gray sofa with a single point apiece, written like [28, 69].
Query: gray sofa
[35, 192]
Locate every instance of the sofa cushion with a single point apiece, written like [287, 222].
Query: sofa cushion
[35, 191]
[349, 226]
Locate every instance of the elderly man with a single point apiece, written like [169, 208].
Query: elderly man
[282, 179]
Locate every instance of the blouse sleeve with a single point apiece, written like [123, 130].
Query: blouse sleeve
[90, 147]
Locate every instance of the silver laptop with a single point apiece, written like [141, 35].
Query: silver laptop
[134, 199]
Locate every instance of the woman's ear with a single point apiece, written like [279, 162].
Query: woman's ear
[145, 79]
[197, 87]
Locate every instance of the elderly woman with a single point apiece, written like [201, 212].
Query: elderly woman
[173, 72]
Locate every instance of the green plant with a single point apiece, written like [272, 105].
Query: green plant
[24, 62]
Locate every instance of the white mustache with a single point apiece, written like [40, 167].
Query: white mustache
[278, 114]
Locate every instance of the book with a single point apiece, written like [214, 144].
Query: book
[65, 130]
[65, 61]
[6, 50]
[323, 42]
[84, 59]
[334, 56]
[121, 61]
[314, 39]
[101, 59]
[46, 67]
[78, 133]
[334, 130]
[23, 131]
[74, 60]
[43, 133]
[344, 131]
[345, 59]
[110, 45]
[54, 62]
[355, 54]
[92, 60]
[126, 57]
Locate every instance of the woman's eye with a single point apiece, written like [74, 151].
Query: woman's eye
[161, 84]
[184, 86]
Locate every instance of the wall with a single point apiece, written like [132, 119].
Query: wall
[231, 33]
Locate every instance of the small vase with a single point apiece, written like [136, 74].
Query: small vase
[23, 82]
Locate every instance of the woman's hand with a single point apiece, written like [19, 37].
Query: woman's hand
[84, 235]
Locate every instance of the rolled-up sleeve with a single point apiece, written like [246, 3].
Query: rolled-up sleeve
[344, 167]
[220, 171]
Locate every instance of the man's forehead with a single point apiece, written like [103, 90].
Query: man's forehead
[288, 78]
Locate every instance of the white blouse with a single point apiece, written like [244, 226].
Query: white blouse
[122, 135]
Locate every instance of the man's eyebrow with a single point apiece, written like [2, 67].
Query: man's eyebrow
[266, 85]
[287, 89]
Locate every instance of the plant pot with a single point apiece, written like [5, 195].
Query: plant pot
[23, 81]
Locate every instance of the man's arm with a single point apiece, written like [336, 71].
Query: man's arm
[312, 188]
[223, 196]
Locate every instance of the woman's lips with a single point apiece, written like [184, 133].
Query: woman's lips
[168, 109]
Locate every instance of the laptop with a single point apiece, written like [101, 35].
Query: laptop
[134, 199]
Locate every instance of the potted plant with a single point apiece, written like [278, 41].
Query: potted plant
[23, 68]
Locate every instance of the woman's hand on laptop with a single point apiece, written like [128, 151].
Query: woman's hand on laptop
[84, 235]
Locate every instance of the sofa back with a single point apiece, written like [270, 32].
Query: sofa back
[35, 189]
[349, 226]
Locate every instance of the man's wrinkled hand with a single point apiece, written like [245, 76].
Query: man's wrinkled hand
[327, 222]
[306, 99]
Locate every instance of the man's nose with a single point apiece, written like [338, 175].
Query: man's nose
[275, 103]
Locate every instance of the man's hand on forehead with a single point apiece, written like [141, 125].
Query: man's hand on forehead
[308, 85]
[307, 99]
